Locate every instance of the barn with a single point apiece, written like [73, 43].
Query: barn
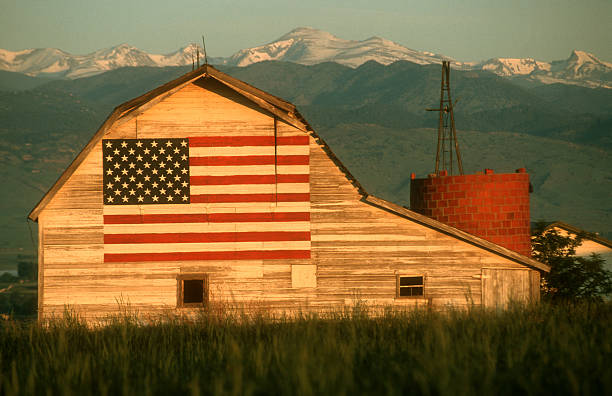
[207, 191]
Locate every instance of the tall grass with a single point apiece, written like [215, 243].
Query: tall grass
[541, 349]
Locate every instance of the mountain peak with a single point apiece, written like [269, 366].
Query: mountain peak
[307, 32]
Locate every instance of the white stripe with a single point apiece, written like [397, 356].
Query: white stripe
[247, 151]
[236, 170]
[239, 207]
[204, 247]
[251, 188]
[206, 227]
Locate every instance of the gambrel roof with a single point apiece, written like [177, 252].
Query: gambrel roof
[285, 111]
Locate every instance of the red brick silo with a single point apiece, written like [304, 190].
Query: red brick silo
[492, 206]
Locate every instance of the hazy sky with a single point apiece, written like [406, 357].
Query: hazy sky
[465, 30]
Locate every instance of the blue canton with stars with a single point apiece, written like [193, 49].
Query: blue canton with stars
[145, 171]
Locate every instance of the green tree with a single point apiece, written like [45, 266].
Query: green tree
[571, 277]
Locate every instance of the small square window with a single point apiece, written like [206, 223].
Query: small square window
[192, 290]
[410, 286]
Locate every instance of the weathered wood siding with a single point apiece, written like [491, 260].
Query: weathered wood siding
[356, 249]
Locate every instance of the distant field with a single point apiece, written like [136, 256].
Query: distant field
[540, 349]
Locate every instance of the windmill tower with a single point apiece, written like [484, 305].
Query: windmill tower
[447, 134]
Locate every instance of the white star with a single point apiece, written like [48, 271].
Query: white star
[154, 185]
[117, 178]
[124, 158]
[169, 184]
[177, 164]
[169, 158]
[183, 171]
[147, 151]
[131, 151]
[177, 191]
[154, 157]
[125, 185]
[184, 143]
[132, 179]
[147, 165]
[168, 143]
[162, 178]
[184, 184]
[154, 171]
[176, 150]
[117, 192]
[153, 143]
[162, 190]
[123, 144]
[169, 171]
[170, 197]
[132, 192]
[147, 178]
[139, 157]
[109, 199]
[155, 198]
[140, 198]
[139, 144]
[139, 185]
[132, 165]
[109, 158]
[177, 178]
[162, 164]
[124, 171]
[185, 198]
[116, 152]
[109, 172]
[109, 185]
[116, 165]
[184, 157]
[139, 171]
[162, 150]
[147, 191]
[109, 144]
[124, 198]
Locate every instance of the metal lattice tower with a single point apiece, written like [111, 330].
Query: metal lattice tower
[447, 134]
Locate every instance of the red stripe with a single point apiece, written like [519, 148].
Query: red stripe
[247, 179]
[206, 218]
[237, 141]
[208, 237]
[249, 160]
[217, 198]
[185, 256]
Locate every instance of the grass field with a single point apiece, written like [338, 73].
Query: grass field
[540, 349]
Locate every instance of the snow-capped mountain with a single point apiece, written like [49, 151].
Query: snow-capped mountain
[513, 66]
[310, 46]
[581, 68]
[306, 46]
[57, 63]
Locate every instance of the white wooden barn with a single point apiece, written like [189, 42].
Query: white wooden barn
[209, 191]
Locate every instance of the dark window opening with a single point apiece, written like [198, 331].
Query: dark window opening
[192, 290]
[410, 286]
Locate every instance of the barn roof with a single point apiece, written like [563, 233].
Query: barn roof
[286, 112]
[576, 230]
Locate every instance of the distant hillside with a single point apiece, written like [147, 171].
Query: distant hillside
[11, 81]
[372, 116]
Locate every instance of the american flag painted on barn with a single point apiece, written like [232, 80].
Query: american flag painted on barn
[206, 198]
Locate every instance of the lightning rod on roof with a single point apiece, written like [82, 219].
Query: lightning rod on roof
[204, 49]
